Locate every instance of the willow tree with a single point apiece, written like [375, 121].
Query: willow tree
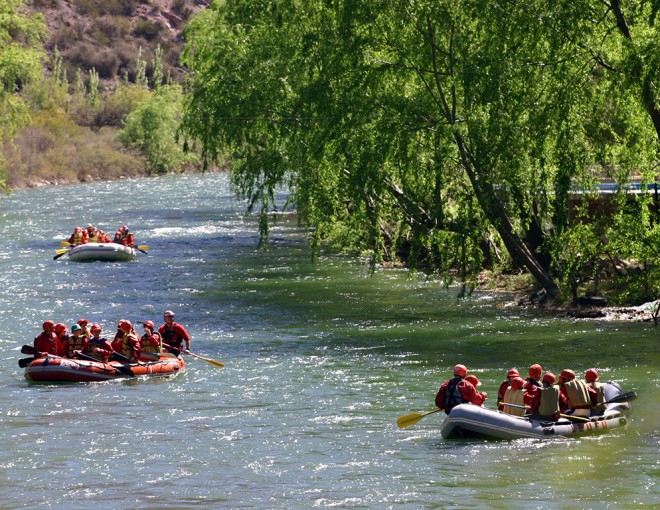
[412, 125]
[21, 55]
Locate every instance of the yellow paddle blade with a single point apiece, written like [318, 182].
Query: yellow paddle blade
[408, 420]
[144, 247]
[60, 252]
[65, 243]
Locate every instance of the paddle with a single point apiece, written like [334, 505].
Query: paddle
[624, 397]
[208, 360]
[408, 420]
[60, 253]
[122, 369]
[24, 362]
[28, 349]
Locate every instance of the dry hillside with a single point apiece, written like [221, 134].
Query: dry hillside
[108, 34]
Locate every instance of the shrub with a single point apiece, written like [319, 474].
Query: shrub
[147, 30]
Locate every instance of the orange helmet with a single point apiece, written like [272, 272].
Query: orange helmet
[472, 379]
[517, 383]
[535, 371]
[60, 327]
[549, 378]
[126, 326]
[48, 325]
[460, 370]
[149, 324]
[567, 374]
[513, 373]
[95, 327]
[591, 375]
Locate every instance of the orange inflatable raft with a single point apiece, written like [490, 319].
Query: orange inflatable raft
[54, 369]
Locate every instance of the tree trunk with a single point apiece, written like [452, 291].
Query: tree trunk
[498, 217]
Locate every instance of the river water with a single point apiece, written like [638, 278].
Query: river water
[320, 361]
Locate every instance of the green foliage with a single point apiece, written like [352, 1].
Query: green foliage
[21, 55]
[425, 128]
[152, 128]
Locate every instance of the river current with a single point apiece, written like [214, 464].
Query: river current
[320, 360]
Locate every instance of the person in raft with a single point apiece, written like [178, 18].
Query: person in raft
[98, 347]
[548, 402]
[92, 234]
[173, 335]
[150, 341]
[79, 236]
[513, 372]
[77, 341]
[515, 395]
[577, 393]
[123, 236]
[130, 342]
[47, 341]
[458, 391]
[597, 398]
[62, 333]
[474, 381]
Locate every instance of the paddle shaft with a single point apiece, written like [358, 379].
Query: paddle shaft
[208, 360]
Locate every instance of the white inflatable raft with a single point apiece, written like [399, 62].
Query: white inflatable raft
[467, 420]
[111, 252]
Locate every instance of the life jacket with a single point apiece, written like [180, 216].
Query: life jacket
[171, 337]
[127, 348]
[600, 395]
[93, 345]
[94, 237]
[147, 343]
[516, 397]
[549, 403]
[577, 393]
[453, 395]
[76, 343]
[77, 238]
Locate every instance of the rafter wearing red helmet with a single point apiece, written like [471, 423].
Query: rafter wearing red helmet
[513, 372]
[458, 391]
[46, 341]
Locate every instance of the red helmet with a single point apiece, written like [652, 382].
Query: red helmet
[472, 379]
[168, 313]
[591, 375]
[517, 383]
[48, 325]
[513, 373]
[77, 229]
[126, 326]
[83, 322]
[535, 371]
[95, 327]
[549, 378]
[60, 327]
[567, 374]
[149, 324]
[458, 369]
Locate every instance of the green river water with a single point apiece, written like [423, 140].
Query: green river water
[320, 360]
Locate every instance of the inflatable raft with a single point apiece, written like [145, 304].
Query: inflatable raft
[468, 421]
[109, 252]
[53, 369]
